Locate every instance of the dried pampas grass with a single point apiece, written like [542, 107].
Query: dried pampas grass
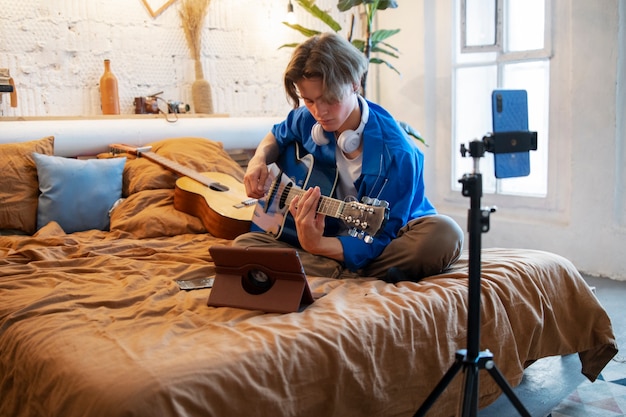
[192, 14]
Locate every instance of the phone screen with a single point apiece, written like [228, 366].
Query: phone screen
[509, 110]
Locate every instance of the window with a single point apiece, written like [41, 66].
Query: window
[501, 44]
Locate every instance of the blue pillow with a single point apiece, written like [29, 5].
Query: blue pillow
[77, 194]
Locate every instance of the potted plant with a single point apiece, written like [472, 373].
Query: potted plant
[374, 42]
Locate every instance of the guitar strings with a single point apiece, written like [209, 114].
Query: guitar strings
[326, 205]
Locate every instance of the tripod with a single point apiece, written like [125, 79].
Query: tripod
[471, 360]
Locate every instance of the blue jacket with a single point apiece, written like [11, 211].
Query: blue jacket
[393, 170]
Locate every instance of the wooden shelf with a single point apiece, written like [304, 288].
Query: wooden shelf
[116, 116]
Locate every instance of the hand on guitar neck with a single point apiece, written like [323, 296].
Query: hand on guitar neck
[310, 223]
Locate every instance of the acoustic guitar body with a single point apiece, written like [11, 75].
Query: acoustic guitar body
[222, 206]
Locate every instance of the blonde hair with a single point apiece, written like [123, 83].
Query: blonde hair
[328, 56]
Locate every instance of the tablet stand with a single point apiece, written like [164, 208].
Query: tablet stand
[471, 360]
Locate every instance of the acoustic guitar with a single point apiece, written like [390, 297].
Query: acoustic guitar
[217, 199]
[294, 173]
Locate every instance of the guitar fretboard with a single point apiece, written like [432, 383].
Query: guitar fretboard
[176, 167]
[181, 170]
[327, 205]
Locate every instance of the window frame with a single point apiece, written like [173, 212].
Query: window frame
[439, 119]
[494, 56]
[496, 46]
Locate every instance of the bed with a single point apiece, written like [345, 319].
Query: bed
[92, 322]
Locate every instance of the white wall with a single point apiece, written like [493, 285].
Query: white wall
[55, 51]
[55, 48]
[584, 218]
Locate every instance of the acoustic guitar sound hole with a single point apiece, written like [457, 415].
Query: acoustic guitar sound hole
[216, 186]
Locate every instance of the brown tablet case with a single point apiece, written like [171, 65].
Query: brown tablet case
[255, 278]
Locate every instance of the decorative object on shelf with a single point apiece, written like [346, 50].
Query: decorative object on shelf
[192, 14]
[156, 7]
[7, 85]
[109, 98]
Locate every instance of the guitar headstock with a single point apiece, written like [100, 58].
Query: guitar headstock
[132, 150]
[366, 219]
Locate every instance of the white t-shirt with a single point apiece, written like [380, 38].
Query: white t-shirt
[349, 170]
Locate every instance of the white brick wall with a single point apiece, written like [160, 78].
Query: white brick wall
[55, 51]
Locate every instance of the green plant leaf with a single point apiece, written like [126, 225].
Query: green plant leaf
[359, 44]
[288, 45]
[385, 51]
[412, 132]
[382, 61]
[393, 48]
[306, 32]
[311, 7]
[344, 5]
[382, 34]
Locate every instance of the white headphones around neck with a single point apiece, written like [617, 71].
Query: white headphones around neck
[349, 140]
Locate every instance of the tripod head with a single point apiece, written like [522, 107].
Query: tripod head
[500, 143]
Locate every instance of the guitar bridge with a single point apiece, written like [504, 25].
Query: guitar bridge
[246, 203]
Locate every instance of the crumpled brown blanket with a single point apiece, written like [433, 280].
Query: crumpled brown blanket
[93, 324]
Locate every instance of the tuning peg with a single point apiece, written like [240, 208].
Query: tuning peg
[368, 239]
[353, 232]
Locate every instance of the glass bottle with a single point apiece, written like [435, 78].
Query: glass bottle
[109, 98]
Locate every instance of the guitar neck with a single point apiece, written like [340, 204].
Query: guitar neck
[327, 205]
[172, 166]
[177, 168]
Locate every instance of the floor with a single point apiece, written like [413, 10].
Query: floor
[553, 381]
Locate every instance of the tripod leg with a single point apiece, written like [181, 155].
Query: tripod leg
[441, 386]
[506, 388]
[470, 393]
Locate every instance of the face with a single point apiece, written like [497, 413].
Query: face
[333, 117]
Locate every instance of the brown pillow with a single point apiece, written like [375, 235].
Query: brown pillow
[198, 154]
[19, 186]
[151, 213]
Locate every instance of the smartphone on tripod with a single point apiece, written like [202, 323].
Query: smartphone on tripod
[509, 110]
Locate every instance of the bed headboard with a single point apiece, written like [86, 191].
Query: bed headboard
[90, 136]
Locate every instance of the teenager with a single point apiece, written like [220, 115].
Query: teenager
[373, 157]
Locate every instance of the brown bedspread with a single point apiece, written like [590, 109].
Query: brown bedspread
[92, 324]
